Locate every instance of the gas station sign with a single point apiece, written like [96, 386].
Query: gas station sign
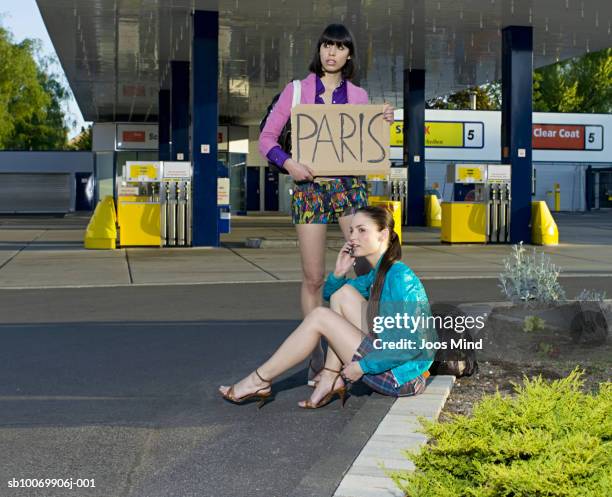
[567, 137]
[141, 171]
[469, 173]
[136, 137]
[444, 134]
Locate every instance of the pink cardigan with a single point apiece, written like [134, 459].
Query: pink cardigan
[282, 110]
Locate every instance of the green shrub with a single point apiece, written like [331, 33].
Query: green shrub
[551, 439]
[533, 323]
[530, 279]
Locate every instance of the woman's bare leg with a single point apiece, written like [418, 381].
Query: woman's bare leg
[345, 225]
[342, 336]
[312, 238]
[348, 303]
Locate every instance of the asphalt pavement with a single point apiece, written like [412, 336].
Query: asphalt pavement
[119, 386]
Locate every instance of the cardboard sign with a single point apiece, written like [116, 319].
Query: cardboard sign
[337, 140]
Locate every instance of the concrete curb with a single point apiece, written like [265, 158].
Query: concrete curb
[396, 433]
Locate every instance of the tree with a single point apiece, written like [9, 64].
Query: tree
[22, 98]
[488, 97]
[31, 114]
[45, 130]
[83, 140]
[582, 84]
[576, 85]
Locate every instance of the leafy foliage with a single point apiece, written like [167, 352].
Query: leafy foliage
[533, 323]
[31, 116]
[488, 97]
[582, 84]
[83, 140]
[550, 439]
[529, 278]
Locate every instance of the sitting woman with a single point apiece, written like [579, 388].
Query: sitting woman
[391, 358]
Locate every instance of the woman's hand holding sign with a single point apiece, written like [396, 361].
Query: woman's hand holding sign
[388, 113]
[299, 172]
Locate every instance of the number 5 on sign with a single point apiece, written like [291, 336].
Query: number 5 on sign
[472, 135]
[593, 138]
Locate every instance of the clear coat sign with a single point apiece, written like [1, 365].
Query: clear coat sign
[337, 140]
[567, 137]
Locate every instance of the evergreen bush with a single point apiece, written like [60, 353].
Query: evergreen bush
[550, 439]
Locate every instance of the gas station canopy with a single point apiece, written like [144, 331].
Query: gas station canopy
[117, 53]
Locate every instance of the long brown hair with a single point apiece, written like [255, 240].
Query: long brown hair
[383, 218]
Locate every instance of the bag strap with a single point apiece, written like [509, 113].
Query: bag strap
[297, 92]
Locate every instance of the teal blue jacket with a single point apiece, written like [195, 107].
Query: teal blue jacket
[403, 294]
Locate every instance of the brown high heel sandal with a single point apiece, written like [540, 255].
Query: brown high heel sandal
[263, 397]
[341, 392]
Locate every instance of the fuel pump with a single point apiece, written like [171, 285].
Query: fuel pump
[497, 186]
[398, 179]
[138, 198]
[493, 211]
[176, 206]
[480, 210]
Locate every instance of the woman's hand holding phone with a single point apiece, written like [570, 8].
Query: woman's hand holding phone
[299, 172]
[345, 260]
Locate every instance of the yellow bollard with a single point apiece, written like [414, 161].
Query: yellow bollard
[544, 230]
[395, 206]
[557, 197]
[377, 198]
[101, 231]
[433, 211]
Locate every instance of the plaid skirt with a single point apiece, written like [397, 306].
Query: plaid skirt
[385, 383]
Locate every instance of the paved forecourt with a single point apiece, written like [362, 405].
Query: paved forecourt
[48, 253]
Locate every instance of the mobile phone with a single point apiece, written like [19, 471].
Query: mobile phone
[351, 251]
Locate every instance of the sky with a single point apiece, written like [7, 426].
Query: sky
[22, 18]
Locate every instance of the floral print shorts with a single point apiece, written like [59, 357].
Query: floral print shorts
[324, 201]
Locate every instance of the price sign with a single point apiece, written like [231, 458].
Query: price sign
[444, 134]
[567, 137]
[593, 137]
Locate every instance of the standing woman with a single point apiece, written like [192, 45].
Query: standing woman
[318, 201]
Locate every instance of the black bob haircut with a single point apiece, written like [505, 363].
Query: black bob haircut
[339, 35]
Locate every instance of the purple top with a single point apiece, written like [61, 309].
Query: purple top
[277, 155]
